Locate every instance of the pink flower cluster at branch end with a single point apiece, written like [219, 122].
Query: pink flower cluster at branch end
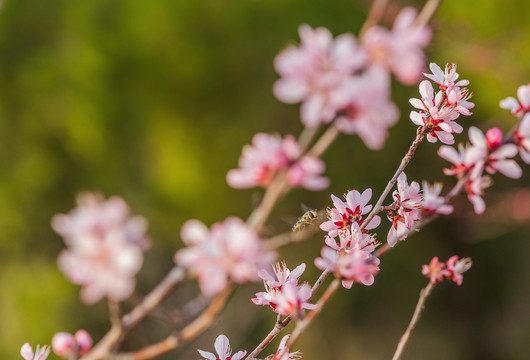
[223, 349]
[267, 156]
[437, 112]
[105, 247]
[337, 79]
[71, 346]
[228, 251]
[486, 152]
[399, 50]
[41, 353]
[453, 269]
[283, 293]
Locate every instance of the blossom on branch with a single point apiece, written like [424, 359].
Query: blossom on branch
[447, 81]
[267, 156]
[399, 50]
[453, 269]
[292, 299]
[432, 201]
[71, 346]
[314, 72]
[223, 349]
[41, 353]
[522, 138]
[518, 106]
[228, 251]
[105, 247]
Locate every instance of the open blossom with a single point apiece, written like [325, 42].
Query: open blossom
[228, 251]
[453, 269]
[292, 299]
[399, 50]
[351, 266]
[463, 160]
[475, 186]
[267, 156]
[365, 108]
[457, 267]
[518, 106]
[344, 214]
[498, 155]
[432, 201]
[352, 238]
[104, 247]
[41, 353]
[447, 80]
[71, 346]
[223, 349]
[435, 271]
[283, 352]
[405, 210]
[315, 71]
[522, 136]
[275, 281]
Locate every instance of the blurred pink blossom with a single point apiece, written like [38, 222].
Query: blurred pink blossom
[283, 352]
[292, 299]
[435, 271]
[315, 71]
[475, 186]
[228, 251]
[104, 247]
[71, 346]
[399, 50]
[365, 108]
[522, 136]
[267, 156]
[223, 349]
[41, 353]
[456, 268]
[432, 201]
[498, 155]
[518, 106]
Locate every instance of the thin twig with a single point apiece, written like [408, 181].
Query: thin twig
[374, 16]
[424, 294]
[324, 141]
[427, 12]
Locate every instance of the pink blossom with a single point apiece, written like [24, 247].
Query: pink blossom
[306, 173]
[344, 214]
[475, 186]
[228, 251]
[497, 159]
[223, 349]
[104, 247]
[435, 271]
[365, 107]
[399, 50]
[262, 160]
[463, 160]
[292, 299]
[274, 282]
[351, 266]
[283, 352]
[436, 114]
[405, 210]
[521, 106]
[456, 268]
[522, 136]
[447, 81]
[41, 353]
[352, 238]
[71, 346]
[313, 72]
[267, 156]
[432, 201]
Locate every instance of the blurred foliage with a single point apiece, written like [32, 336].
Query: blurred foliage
[154, 100]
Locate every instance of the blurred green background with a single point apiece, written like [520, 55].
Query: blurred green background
[153, 100]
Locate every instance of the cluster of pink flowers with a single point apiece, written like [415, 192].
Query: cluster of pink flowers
[268, 155]
[339, 79]
[437, 112]
[486, 152]
[228, 251]
[105, 247]
[350, 256]
[41, 353]
[283, 293]
[71, 346]
[453, 269]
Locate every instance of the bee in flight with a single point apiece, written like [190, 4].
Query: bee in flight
[305, 220]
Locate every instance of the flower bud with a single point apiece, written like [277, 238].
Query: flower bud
[494, 137]
[63, 343]
[84, 341]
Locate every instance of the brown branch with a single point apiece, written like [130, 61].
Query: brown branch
[420, 306]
